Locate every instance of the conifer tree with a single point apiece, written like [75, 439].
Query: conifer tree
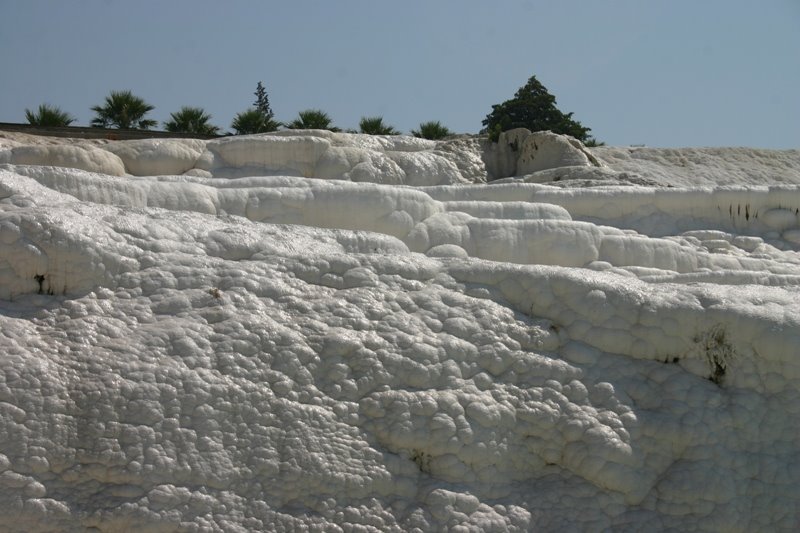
[262, 102]
[534, 108]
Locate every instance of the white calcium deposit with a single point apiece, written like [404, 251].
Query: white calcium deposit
[335, 332]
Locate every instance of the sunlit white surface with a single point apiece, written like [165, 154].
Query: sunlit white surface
[232, 343]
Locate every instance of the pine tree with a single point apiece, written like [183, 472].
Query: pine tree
[534, 108]
[262, 102]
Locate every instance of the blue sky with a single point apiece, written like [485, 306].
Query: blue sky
[655, 72]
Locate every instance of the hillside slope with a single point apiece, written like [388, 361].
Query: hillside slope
[403, 345]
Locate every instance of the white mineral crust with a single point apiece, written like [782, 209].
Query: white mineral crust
[334, 332]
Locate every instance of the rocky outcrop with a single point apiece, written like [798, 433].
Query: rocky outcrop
[519, 151]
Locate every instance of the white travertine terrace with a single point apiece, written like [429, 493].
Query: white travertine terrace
[338, 332]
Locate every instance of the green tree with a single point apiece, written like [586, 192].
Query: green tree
[431, 130]
[591, 142]
[262, 102]
[257, 119]
[123, 110]
[48, 115]
[191, 120]
[376, 126]
[535, 109]
[253, 121]
[312, 119]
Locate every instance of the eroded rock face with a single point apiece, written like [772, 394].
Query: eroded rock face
[519, 151]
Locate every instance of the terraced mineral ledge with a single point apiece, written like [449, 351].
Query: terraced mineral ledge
[338, 332]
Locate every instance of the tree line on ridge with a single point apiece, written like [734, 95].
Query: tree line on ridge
[532, 107]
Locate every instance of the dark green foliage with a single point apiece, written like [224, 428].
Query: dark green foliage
[312, 119]
[431, 130]
[257, 119]
[262, 102]
[375, 126]
[253, 121]
[191, 120]
[123, 110]
[592, 142]
[48, 115]
[535, 109]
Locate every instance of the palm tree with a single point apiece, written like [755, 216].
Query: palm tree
[191, 120]
[431, 130]
[375, 126]
[253, 121]
[123, 110]
[591, 142]
[312, 119]
[49, 115]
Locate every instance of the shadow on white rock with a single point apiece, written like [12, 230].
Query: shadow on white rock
[519, 151]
